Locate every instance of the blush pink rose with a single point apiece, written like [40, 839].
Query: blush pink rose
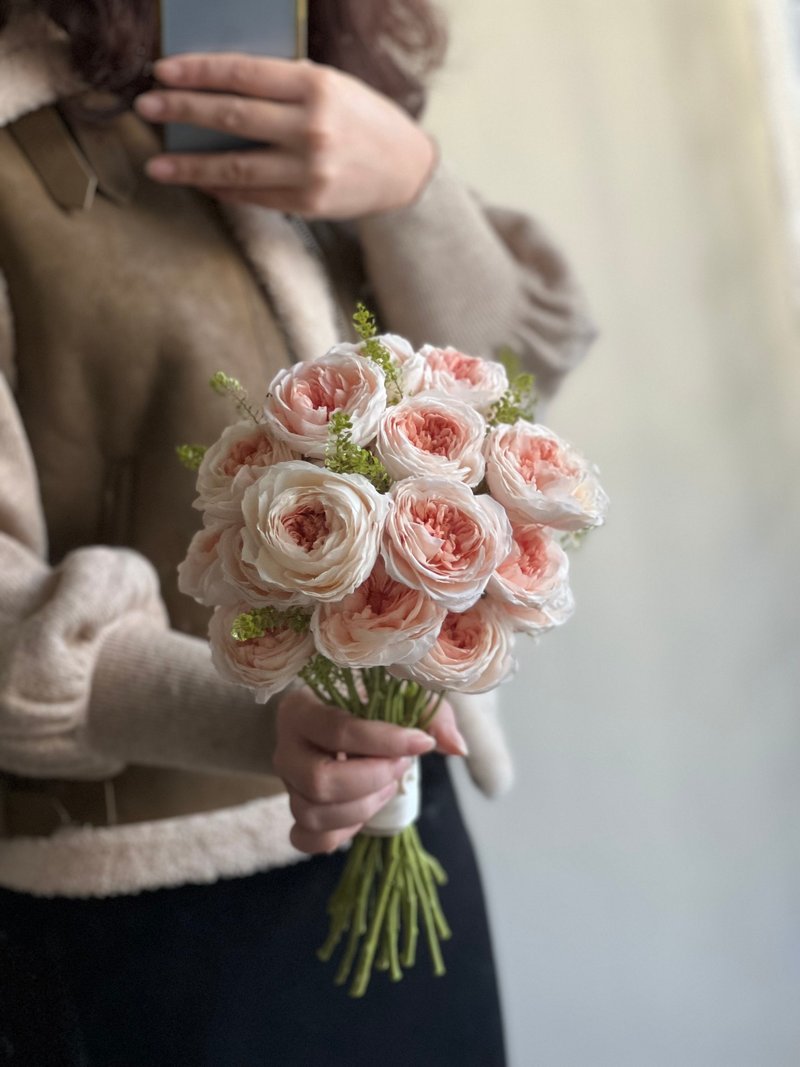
[381, 623]
[311, 531]
[478, 382]
[535, 621]
[539, 478]
[532, 583]
[442, 539]
[411, 364]
[474, 653]
[432, 434]
[264, 664]
[302, 399]
[235, 461]
[200, 575]
[244, 579]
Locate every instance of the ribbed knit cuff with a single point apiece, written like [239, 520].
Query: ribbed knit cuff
[157, 701]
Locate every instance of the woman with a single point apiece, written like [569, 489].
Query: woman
[129, 278]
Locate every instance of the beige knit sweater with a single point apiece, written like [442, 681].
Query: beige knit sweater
[102, 663]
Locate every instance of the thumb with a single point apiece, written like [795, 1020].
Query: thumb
[447, 735]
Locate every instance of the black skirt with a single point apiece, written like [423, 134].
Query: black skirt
[225, 975]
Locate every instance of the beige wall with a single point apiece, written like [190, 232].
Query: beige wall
[644, 877]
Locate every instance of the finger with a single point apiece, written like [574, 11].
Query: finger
[323, 780]
[264, 77]
[320, 818]
[242, 170]
[448, 737]
[329, 841]
[335, 730]
[255, 120]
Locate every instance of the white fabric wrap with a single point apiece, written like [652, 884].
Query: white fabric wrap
[402, 810]
[49, 645]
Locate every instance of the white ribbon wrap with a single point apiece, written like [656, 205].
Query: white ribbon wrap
[401, 811]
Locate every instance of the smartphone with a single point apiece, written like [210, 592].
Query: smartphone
[257, 27]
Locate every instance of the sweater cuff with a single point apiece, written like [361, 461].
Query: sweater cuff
[439, 271]
[157, 701]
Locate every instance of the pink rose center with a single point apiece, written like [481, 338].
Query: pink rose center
[541, 462]
[460, 633]
[463, 368]
[247, 453]
[432, 432]
[529, 555]
[308, 526]
[457, 532]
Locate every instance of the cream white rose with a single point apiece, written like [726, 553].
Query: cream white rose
[302, 399]
[432, 434]
[381, 623]
[474, 653]
[200, 575]
[231, 464]
[243, 578]
[478, 382]
[313, 532]
[540, 478]
[264, 664]
[442, 539]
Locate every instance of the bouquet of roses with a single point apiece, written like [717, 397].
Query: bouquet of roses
[380, 531]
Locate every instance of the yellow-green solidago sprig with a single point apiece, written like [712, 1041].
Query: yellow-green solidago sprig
[519, 400]
[258, 622]
[342, 456]
[191, 456]
[224, 385]
[367, 329]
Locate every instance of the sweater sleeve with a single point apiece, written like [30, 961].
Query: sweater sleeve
[91, 675]
[450, 270]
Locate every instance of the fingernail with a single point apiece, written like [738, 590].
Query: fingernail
[421, 741]
[403, 765]
[151, 105]
[460, 743]
[160, 168]
[167, 69]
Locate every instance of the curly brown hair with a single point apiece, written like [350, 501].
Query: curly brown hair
[393, 45]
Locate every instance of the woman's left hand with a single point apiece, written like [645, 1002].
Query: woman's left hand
[332, 147]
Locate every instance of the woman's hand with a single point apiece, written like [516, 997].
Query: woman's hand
[333, 147]
[332, 797]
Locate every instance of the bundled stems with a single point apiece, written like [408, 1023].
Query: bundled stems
[389, 884]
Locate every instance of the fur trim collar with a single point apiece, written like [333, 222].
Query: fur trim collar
[35, 68]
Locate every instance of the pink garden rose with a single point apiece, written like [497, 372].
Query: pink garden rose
[532, 583]
[473, 653]
[432, 434]
[242, 453]
[442, 539]
[311, 531]
[536, 621]
[478, 382]
[200, 575]
[264, 664]
[411, 364]
[381, 623]
[539, 478]
[302, 399]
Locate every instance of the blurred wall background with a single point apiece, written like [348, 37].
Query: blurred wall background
[644, 876]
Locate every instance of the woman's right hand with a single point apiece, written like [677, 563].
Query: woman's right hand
[340, 770]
